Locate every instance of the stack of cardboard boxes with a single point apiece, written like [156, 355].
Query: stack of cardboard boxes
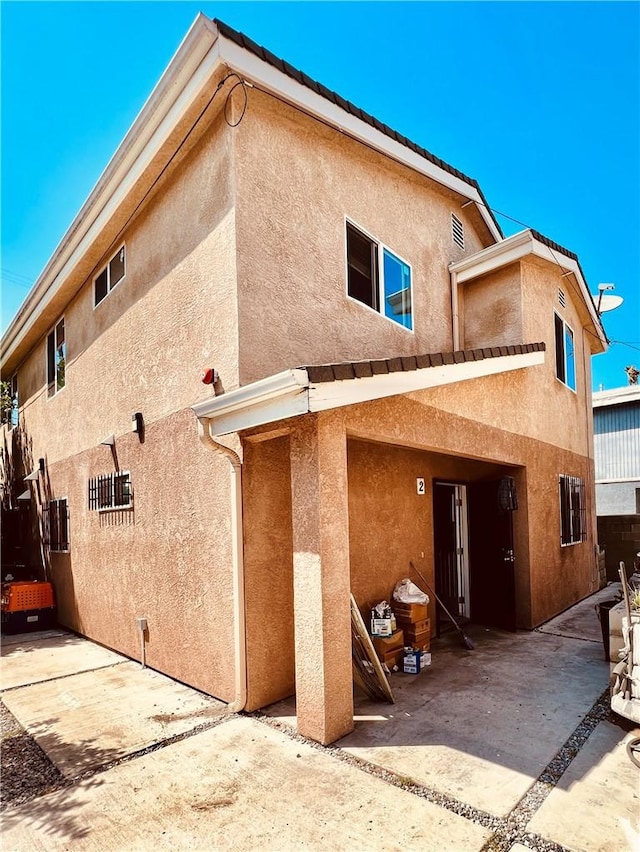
[403, 637]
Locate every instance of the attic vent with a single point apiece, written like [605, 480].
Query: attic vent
[457, 231]
[562, 298]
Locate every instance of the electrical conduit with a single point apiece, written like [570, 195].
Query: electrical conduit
[239, 613]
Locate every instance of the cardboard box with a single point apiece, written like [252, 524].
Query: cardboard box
[381, 627]
[420, 640]
[384, 644]
[393, 658]
[418, 626]
[411, 613]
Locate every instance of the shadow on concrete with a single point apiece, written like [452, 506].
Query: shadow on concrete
[24, 643]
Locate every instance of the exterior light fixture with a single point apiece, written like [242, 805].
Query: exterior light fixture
[33, 476]
[109, 441]
[137, 423]
[26, 495]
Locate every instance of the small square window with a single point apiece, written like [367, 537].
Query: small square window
[107, 278]
[110, 491]
[378, 278]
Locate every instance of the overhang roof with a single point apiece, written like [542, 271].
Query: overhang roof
[302, 390]
[530, 243]
[616, 396]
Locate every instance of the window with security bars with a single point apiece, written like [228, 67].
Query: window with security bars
[573, 510]
[57, 524]
[110, 491]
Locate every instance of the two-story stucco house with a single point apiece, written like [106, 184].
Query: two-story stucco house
[394, 381]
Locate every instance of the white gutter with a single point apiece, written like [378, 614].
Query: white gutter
[237, 560]
[514, 248]
[291, 393]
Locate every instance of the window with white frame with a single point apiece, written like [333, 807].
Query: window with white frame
[565, 353]
[110, 491]
[56, 358]
[107, 278]
[57, 525]
[10, 403]
[378, 278]
[573, 510]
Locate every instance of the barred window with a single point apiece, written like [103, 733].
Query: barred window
[57, 525]
[573, 510]
[110, 491]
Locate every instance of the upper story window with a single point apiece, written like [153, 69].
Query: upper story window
[573, 510]
[10, 402]
[56, 358]
[565, 353]
[378, 278]
[107, 278]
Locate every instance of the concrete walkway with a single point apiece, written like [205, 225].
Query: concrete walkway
[506, 747]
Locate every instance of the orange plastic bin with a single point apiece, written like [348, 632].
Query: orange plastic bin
[27, 605]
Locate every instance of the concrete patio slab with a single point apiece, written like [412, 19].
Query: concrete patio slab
[90, 719]
[480, 726]
[30, 658]
[581, 620]
[596, 805]
[241, 786]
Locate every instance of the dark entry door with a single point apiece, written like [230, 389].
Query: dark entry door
[445, 548]
[492, 563]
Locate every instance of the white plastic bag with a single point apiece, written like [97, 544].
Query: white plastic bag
[407, 592]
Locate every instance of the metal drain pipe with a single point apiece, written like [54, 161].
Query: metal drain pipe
[239, 610]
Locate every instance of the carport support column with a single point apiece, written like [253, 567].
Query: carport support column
[321, 577]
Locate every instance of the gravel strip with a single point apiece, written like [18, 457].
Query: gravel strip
[506, 831]
[26, 770]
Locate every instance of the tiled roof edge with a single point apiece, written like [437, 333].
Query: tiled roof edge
[365, 369]
[302, 78]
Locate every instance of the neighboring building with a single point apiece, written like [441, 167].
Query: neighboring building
[252, 222]
[616, 426]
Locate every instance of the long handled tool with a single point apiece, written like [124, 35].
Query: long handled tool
[468, 644]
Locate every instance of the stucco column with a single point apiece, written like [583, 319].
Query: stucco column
[321, 577]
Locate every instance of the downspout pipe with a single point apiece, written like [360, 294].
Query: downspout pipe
[455, 319]
[239, 609]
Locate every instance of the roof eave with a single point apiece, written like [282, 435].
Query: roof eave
[515, 248]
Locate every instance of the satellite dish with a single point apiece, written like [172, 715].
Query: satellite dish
[607, 302]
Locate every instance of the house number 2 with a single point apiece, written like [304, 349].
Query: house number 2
[420, 485]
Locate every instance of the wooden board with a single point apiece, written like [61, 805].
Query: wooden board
[362, 641]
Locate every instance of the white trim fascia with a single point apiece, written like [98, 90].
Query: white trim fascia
[265, 401]
[276, 82]
[187, 75]
[290, 393]
[617, 396]
[327, 395]
[620, 480]
[515, 248]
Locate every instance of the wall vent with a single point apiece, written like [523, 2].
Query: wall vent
[562, 298]
[457, 231]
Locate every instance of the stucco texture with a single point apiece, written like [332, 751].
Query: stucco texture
[296, 182]
[167, 559]
[146, 345]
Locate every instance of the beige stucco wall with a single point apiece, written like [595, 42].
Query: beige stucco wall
[144, 349]
[491, 310]
[145, 346]
[167, 559]
[296, 182]
[268, 565]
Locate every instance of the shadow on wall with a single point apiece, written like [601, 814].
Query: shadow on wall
[24, 555]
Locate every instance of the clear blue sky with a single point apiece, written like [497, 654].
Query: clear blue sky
[539, 102]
